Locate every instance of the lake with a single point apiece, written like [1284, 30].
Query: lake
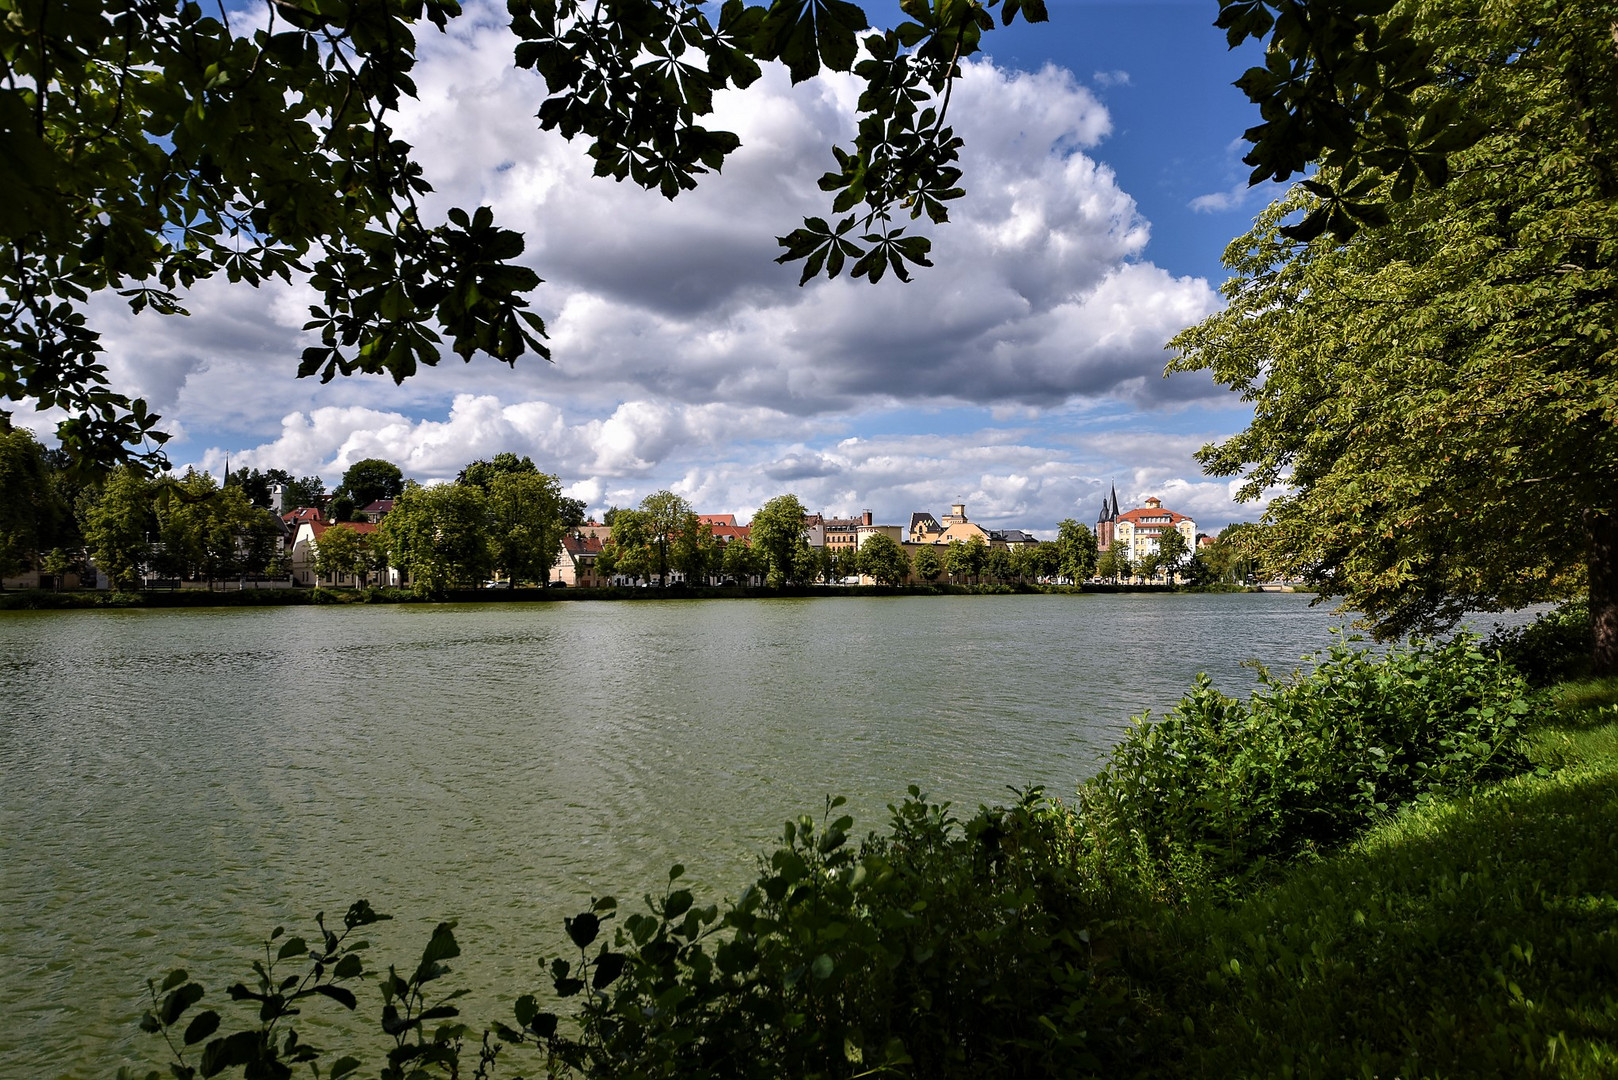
[174, 783]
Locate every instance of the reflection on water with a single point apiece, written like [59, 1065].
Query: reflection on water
[174, 783]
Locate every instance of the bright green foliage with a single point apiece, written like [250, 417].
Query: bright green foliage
[927, 563]
[999, 565]
[1354, 85]
[1172, 551]
[1077, 547]
[695, 551]
[370, 479]
[525, 523]
[777, 535]
[25, 498]
[208, 533]
[342, 552]
[1221, 791]
[667, 516]
[1467, 937]
[438, 536]
[1437, 400]
[147, 148]
[741, 563]
[631, 545]
[118, 525]
[881, 557]
[964, 559]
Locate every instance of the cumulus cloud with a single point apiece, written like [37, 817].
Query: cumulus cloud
[686, 358]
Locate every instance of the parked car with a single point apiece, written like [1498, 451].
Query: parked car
[556, 585]
[497, 584]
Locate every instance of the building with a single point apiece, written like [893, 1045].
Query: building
[842, 534]
[1107, 522]
[576, 561]
[1137, 531]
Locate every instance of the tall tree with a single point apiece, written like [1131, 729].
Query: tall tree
[666, 515]
[118, 526]
[1076, 545]
[927, 564]
[370, 479]
[1172, 550]
[525, 523]
[438, 536]
[1437, 399]
[26, 498]
[342, 552]
[881, 558]
[777, 534]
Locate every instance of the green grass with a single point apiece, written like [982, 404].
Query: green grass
[1466, 937]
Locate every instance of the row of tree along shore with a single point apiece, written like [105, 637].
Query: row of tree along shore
[1270, 886]
[500, 522]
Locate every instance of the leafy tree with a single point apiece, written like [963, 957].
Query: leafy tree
[370, 479]
[1076, 545]
[25, 498]
[150, 147]
[881, 558]
[777, 536]
[666, 515]
[632, 543]
[1150, 565]
[304, 491]
[481, 473]
[1124, 566]
[741, 562]
[342, 552]
[438, 536]
[607, 561]
[118, 525]
[58, 564]
[525, 523]
[695, 551]
[183, 524]
[1172, 551]
[927, 564]
[1436, 398]
[1107, 565]
[1000, 565]
[572, 513]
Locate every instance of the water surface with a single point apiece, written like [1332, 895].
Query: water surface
[173, 783]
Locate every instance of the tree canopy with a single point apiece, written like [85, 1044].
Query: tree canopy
[149, 147]
[1436, 400]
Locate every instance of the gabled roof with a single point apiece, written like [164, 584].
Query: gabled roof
[1136, 517]
[921, 519]
[302, 514]
[379, 507]
[1014, 536]
[318, 528]
[732, 532]
[576, 544]
[717, 519]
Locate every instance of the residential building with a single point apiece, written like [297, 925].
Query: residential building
[576, 562]
[1137, 531]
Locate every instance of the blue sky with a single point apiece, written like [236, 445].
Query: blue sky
[1021, 375]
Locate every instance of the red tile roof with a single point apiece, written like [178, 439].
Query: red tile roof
[717, 519]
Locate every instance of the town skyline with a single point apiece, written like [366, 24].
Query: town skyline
[1021, 374]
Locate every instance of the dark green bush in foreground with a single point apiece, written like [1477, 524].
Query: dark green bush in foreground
[1018, 943]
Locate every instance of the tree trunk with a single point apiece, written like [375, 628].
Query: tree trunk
[1602, 527]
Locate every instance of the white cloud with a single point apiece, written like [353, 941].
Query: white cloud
[685, 357]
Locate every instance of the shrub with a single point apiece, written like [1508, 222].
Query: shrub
[1553, 648]
[1221, 791]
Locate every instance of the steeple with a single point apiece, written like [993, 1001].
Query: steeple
[1115, 510]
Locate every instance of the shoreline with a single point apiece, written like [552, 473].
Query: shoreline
[44, 600]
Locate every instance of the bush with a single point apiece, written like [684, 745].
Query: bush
[1221, 792]
[1553, 648]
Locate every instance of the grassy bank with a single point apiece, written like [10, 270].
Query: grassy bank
[1471, 936]
[1392, 865]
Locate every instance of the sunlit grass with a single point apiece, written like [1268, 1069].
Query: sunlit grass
[1475, 936]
